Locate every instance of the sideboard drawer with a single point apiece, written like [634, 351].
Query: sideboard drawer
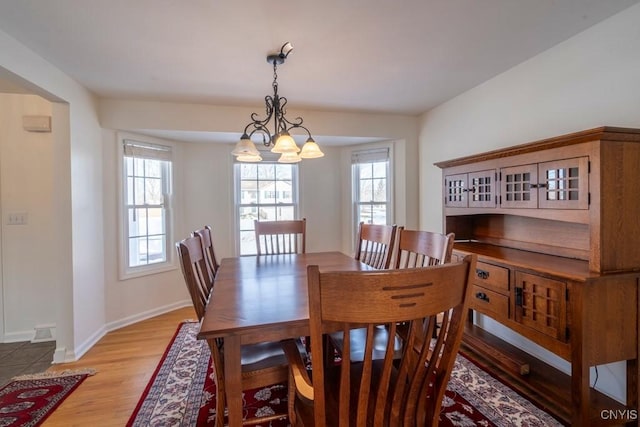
[490, 303]
[493, 277]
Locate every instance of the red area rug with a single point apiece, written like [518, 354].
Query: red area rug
[182, 392]
[28, 400]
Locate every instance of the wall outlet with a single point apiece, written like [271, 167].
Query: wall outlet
[18, 218]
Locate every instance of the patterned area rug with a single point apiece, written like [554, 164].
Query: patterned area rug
[28, 400]
[182, 392]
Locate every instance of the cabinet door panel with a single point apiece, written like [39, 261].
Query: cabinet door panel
[455, 190]
[482, 189]
[517, 186]
[540, 303]
[565, 184]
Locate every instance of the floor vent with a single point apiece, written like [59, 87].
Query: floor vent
[44, 333]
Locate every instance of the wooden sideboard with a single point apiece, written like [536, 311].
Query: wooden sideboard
[556, 226]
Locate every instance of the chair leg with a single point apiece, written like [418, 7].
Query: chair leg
[219, 408]
[291, 409]
[307, 344]
[218, 369]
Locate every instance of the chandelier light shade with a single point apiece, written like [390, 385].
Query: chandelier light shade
[285, 144]
[279, 138]
[245, 147]
[290, 157]
[310, 150]
[249, 158]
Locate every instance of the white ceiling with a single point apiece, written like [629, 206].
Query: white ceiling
[385, 56]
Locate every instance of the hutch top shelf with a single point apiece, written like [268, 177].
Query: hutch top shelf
[575, 196]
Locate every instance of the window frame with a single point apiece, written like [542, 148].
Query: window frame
[125, 270]
[368, 156]
[295, 196]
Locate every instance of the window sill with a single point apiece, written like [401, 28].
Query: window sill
[146, 271]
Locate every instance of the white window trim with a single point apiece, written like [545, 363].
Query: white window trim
[236, 200]
[126, 272]
[367, 153]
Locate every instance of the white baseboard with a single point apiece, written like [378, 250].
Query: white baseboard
[40, 333]
[18, 336]
[112, 326]
[60, 355]
[79, 351]
[63, 355]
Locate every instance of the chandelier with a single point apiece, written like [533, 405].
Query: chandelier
[280, 140]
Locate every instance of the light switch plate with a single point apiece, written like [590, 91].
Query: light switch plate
[18, 218]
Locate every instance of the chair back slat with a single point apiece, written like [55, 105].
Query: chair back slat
[379, 391]
[280, 237]
[375, 244]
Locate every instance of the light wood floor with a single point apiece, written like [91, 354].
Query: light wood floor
[125, 360]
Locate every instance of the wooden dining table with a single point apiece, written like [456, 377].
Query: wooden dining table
[258, 299]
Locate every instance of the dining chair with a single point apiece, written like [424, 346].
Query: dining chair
[206, 239]
[262, 364]
[419, 248]
[195, 272]
[281, 237]
[374, 245]
[386, 392]
[415, 248]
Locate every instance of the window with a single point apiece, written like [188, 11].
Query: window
[146, 207]
[371, 186]
[264, 191]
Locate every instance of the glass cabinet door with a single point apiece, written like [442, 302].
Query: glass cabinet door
[518, 186]
[564, 184]
[455, 191]
[541, 304]
[482, 189]
[470, 190]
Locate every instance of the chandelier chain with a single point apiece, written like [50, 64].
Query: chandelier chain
[275, 75]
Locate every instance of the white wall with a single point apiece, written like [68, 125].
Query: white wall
[207, 193]
[587, 81]
[320, 200]
[78, 273]
[26, 186]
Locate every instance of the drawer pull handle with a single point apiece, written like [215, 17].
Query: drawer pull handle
[482, 296]
[482, 274]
